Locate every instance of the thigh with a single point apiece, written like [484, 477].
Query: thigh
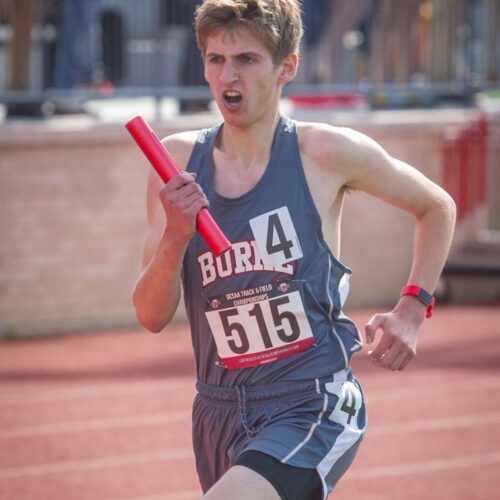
[291, 483]
[242, 483]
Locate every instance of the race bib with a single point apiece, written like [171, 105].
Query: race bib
[259, 325]
[275, 237]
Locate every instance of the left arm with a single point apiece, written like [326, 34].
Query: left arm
[372, 170]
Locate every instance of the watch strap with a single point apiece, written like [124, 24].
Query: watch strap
[422, 295]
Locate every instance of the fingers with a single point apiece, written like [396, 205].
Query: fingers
[382, 348]
[397, 358]
[372, 326]
[182, 198]
[193, 203]
[183, 194]
[406, 360]
[392, 359]
[399, 361]
[178, 182]
[392, 354]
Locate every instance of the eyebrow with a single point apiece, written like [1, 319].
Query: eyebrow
[247, 54]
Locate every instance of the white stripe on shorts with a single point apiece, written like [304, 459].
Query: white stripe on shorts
[347, 438]
[310, 433]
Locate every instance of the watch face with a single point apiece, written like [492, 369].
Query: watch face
[421, 294]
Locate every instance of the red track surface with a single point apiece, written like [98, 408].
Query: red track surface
[107, 416]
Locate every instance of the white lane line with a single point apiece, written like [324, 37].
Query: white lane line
[97, 424]
[163, 418]
[96, 463]
[182, 453]
[160, 418]
[125, 389]
[95, 391]
[423, 467]
[448, 423]
[432, 390]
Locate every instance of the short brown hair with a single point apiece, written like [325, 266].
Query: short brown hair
[277, 22]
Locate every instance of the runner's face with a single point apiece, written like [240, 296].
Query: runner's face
[245, 82]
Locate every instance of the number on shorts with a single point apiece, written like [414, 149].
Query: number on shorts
[350, 401]
[349, 404]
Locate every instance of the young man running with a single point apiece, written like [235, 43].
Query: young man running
[278, 413]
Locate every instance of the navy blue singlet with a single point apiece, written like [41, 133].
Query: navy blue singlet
[274, 301]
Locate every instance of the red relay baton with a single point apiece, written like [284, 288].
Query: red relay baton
[162, 162]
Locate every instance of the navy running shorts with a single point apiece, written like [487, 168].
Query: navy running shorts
[311, 425]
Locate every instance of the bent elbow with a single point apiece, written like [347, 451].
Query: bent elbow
[442, 206]
[153, 328]
[452, 207]
[449, 207]
[151, 324]
[151, 314]
[147, 319]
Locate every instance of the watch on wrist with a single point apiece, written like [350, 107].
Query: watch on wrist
[422, 295]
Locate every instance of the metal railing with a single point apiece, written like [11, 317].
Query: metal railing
[417, 52]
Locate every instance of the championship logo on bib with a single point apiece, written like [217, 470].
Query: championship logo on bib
[259, 325]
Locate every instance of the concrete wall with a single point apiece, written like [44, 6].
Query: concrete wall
[72, 218]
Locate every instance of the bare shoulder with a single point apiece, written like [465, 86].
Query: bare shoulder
[330, 147]
[360, 163]
[179, 147]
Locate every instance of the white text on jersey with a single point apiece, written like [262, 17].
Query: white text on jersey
[243, 257]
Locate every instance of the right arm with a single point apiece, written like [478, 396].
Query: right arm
[172, 210]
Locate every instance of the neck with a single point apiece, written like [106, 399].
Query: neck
[245, 145]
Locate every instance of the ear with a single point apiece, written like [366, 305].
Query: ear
[288, 69]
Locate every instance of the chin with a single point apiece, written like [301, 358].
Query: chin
[236, 118]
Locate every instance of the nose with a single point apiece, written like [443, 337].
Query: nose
[228, 73]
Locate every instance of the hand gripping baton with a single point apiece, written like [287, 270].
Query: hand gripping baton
[162, 162]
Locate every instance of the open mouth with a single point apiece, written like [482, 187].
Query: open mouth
[232, 97]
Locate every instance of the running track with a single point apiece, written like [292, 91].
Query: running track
[107, 416]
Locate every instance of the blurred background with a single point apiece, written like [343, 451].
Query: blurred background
[107, 414]
[420, 77]
[394, 53]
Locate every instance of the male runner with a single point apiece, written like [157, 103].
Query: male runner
[278, 412]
